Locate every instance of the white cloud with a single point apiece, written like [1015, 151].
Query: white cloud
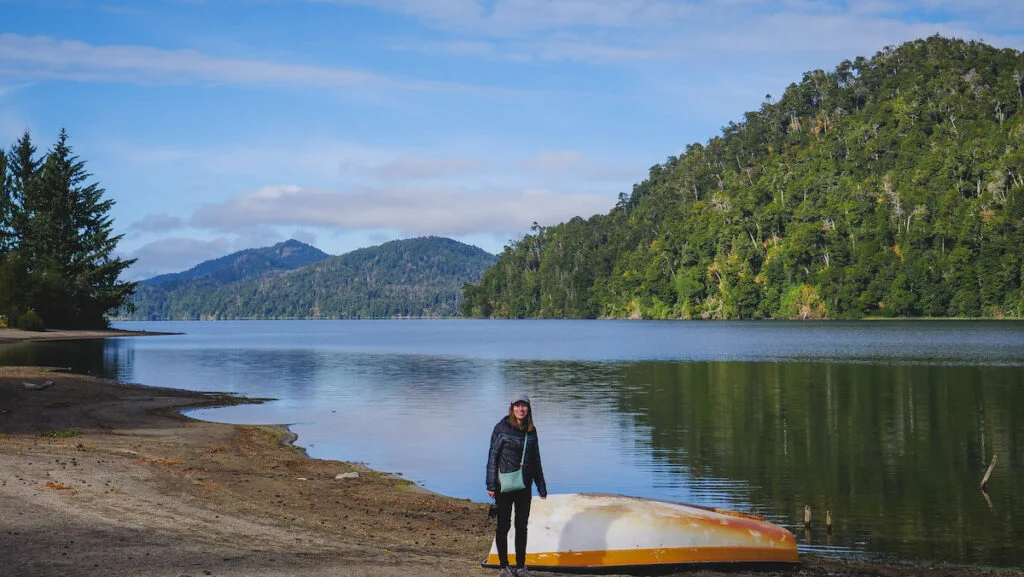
[854, 36]
[174, 255]
[621, 32]
[156, 223]
[46, 57]
[12, 88]
[506, 17]
[418, 211]
[421, 167]
[343, 163]
[573, 164]
[306, 236]
[313, 159]
[553, 160]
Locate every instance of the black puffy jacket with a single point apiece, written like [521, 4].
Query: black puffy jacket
[506, 452]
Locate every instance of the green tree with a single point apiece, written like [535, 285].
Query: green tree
[6, 209]
[64, 261]
[23, 184]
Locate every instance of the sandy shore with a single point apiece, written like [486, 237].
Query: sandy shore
[8, 335]
[101, 479]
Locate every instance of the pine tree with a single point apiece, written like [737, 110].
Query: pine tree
[23, 185]
[6, 209]
[20, 182]
[69, 236]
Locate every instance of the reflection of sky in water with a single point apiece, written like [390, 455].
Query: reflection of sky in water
[430, 418]
[889, 423]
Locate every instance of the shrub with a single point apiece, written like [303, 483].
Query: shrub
[58, 434]
[30, 321]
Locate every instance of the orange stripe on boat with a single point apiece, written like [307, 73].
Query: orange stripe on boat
[654, 557]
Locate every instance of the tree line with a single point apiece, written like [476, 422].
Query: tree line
[888, 187]
[419, 277]
[57, 262]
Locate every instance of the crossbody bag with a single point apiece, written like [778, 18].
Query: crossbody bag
[514, 481]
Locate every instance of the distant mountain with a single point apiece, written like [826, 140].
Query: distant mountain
[420, 277]
[249, 263]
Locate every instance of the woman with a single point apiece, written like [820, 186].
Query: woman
[505, 456]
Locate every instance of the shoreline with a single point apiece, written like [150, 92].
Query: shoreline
[12, 336]
[101, 478]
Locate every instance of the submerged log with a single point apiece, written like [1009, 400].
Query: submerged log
[984, 480]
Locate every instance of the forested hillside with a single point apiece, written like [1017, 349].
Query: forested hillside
[176, 295]
[421, 277]
[253, 262]
[890, 186]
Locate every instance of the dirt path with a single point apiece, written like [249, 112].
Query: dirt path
[102, 479]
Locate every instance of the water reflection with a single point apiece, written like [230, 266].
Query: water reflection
[105, 358]
[895, 452]
[894, 448]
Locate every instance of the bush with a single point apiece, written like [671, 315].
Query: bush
[30, 321]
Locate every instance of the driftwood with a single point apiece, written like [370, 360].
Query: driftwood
[988, 473]
[37, 387]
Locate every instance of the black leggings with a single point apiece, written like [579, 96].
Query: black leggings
[521, 499]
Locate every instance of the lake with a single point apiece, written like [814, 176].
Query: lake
[888, 425]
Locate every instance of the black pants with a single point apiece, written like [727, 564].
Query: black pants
[521, 499]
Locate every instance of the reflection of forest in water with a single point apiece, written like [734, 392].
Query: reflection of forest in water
[896, 452]
[105, 358]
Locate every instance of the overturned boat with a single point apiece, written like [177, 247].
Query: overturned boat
[596, 531]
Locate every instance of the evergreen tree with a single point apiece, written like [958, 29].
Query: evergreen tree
[20, 183]
[24, 188]
[57, 253]
[6, 209]
[72, 240]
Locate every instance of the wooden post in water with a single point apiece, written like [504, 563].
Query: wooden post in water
[828, 521]
[984, 480]
[807, 515]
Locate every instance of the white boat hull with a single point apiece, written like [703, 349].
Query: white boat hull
[599, 531]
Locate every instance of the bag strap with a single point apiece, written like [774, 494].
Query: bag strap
[523, 460]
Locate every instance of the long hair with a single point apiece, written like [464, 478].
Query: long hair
[515, 422]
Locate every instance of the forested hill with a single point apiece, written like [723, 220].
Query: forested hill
[890, 186]
[252, 262]
[421, 277]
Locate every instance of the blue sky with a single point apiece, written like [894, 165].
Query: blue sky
[219, 125]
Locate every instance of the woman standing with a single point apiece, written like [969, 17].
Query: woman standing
[514, 445]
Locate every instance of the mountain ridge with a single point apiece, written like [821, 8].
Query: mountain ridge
[286, 255]
[420, 277]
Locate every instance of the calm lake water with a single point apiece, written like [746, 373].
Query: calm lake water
[889, 425]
